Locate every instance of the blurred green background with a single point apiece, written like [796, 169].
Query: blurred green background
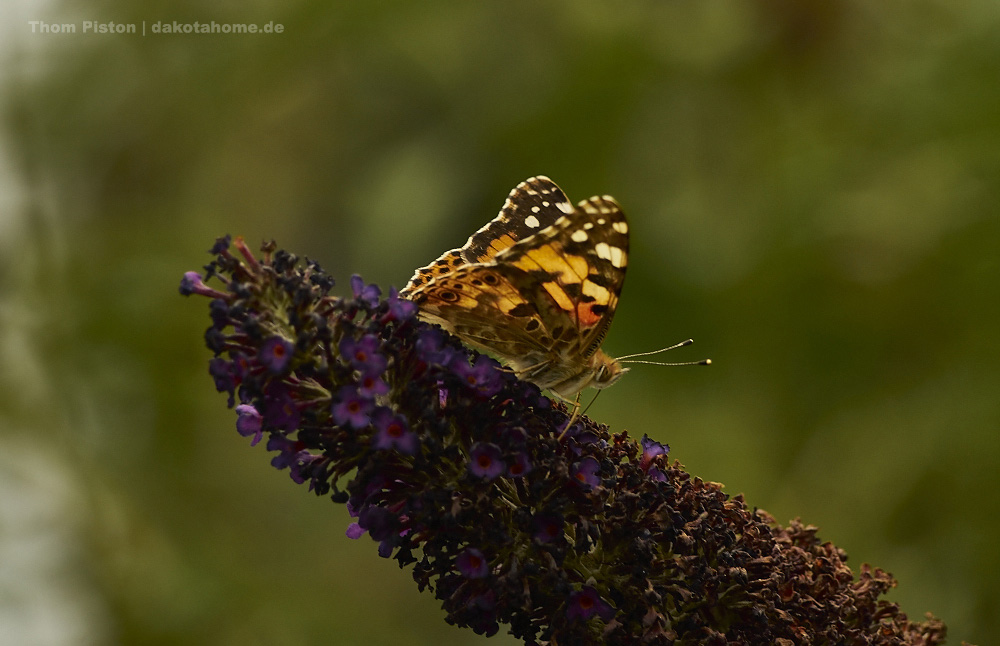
[812, 191]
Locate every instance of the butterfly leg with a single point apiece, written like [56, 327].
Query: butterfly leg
[572, 417]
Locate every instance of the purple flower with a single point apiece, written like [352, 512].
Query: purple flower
[280, 408]
[291, 453]
[380, 523]
[218, 309]
[586, 472]
[371, 384]
[586, 603]
[221, 245]
[192, 283]
[393, 433]
[275, 354]
[483, 376]
[367, 294]
[486, 461]
[249, 423]
[521, 465]
[521, 527]
[431, 347]
[363, 354]
[546, 527]
[650, 450]
[400, 309]
[351, 408]
[472, 564]
[222, 372]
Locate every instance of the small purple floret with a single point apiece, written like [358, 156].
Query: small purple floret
[520, 467]
[483, 376]
[586, 603]
[400, 309]
[280, 409]
[249, 423]
[547, 527]
[650, 450]
[351, 408]
[371, 384]
[368, 294]
[486, 461]
[363, 354]
[472, 564]
[586, 472]
[392, 432]
[275, 354]
[192, 283]
[431, 347]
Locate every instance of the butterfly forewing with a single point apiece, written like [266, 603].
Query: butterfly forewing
[533, 206]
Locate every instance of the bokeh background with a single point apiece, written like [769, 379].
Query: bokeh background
[812, 189]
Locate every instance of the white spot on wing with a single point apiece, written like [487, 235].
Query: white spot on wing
[621, 226]
[531, 221]
[613, 254]
[579, 236]
[535, 209]
[565, 207]
[601, 221]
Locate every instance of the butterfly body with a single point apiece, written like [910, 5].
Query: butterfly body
[537, 287]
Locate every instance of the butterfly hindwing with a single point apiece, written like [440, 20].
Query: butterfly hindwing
[471, 300]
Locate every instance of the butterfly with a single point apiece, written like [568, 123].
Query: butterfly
[536, 287]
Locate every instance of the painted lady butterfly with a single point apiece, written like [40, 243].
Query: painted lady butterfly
[537, 287]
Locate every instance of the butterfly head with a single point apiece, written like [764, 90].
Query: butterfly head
[606, 370]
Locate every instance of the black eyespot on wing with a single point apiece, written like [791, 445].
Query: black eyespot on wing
[524, 309]
[601, 280]
[572, 290]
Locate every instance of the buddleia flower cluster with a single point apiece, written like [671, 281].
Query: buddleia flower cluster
[463, 473]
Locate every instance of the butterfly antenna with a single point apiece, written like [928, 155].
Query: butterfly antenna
[629, 357]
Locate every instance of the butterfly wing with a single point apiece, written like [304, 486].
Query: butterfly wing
[534, 205]
[577, 269]
[537, 286]
[492, 307]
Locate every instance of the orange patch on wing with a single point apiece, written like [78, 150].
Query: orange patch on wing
[571, 269]
[586, 315]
